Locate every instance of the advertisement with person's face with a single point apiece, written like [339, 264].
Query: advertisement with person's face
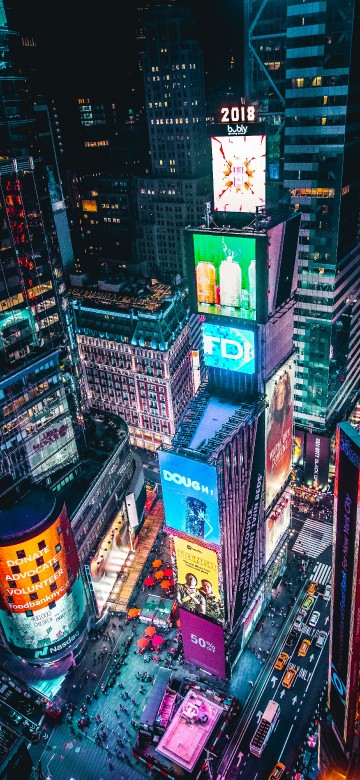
[279, 424]
[197, 580]
[203, 643]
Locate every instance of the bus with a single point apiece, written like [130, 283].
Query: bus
[265, 728]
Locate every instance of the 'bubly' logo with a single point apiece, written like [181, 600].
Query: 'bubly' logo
[237, 129]
[179, 479]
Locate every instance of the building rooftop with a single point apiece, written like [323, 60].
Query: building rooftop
[8, 738]
[24, 513]
[141, 296]
[189, 730]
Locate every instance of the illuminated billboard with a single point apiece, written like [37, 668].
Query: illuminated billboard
[225, 270]
[279, 425]
[203, 643]
[238, 165]
[345, 629]
[198, 579]
[276, 524]
[42, 597]
[317, 461]
[232, 349]
[190, 496]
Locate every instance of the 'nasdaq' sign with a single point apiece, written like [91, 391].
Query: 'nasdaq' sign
[229, 348]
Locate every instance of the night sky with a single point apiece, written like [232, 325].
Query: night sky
[83, 45]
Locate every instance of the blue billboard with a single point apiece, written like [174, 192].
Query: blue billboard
[190, 496]
[229, 348]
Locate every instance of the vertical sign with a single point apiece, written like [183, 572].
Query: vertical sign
[317, 461]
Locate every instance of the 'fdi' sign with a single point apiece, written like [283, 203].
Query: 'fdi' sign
[232, 349]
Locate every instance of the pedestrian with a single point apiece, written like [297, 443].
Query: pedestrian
[251, 683]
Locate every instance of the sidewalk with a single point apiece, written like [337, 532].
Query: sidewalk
[267, 630]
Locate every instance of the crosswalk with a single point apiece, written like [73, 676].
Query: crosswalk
[322, 574]
[313, 538]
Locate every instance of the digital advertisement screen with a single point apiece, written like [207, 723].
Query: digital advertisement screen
[198, 579]
[279, 429]
[42, 597]
[203, 643]
[345, 630]
[190, 496]
[317, 461]
[238, 165]
[298, 447]
[225, 270]
[276, 524]
[232, 349]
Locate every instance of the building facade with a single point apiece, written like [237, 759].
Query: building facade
[302, 70]
[136, 354]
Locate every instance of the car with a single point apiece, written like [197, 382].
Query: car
[289, 677]
[327, 592]
[308, 603]
[314, 617]
[321, 638]
[277, 772]
[298, 622]
[291, 638]
[312, 588]
[305, 644]
[281, 660]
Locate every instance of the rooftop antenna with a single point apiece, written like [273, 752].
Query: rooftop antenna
[207, 213]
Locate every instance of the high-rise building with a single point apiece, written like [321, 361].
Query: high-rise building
[135, 349]
[344, 662]
[38, 387]
[175, 192]
[301, 68]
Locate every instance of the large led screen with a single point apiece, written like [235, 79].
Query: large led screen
[203, 643]
[238, 164]
[225, 270]
[345, 630]
[317, 461]
[232, 349]
[198, 579]
[190, 496]
[279, 425]
[42, 596]
[276, 524]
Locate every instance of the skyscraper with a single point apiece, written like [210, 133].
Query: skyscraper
[38, 384]
[302, 70]
[175, 193]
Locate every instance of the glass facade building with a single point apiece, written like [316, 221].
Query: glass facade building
[302, 72]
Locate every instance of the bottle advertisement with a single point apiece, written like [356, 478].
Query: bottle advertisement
[225, 269]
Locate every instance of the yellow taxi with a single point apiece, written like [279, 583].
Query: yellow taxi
[289, 677]
[277, 772]
[312, 588]
[305, 644]
[281, 661]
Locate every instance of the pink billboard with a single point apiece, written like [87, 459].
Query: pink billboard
[203, 643]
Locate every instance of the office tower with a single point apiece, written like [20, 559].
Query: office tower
[225, 477]
[134, 345]
[344, 661]
[302, 70]
[38, 387]
[175, 193]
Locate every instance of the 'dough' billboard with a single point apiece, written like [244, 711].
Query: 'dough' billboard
[190, 496]
[232, 349]
[203, 643]
[345, 630]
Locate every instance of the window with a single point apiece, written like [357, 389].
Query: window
[42, 544]
[39, 561]
[20, 553]
[53, 586]
[52, 604]
[35, 578]
[12, 584]
[15, 569]
[57, 548]
[33, 596]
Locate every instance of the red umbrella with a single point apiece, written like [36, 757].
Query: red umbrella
[150, 631]
[168, 572]
[149, 581]
[143, 642]
[157, 640]
[172, 581]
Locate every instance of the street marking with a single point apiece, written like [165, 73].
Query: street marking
[286, 741]
[313, 538]
[274, 681]
[322, 573]
[294, 700]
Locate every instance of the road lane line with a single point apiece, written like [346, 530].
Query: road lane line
[286, 741]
